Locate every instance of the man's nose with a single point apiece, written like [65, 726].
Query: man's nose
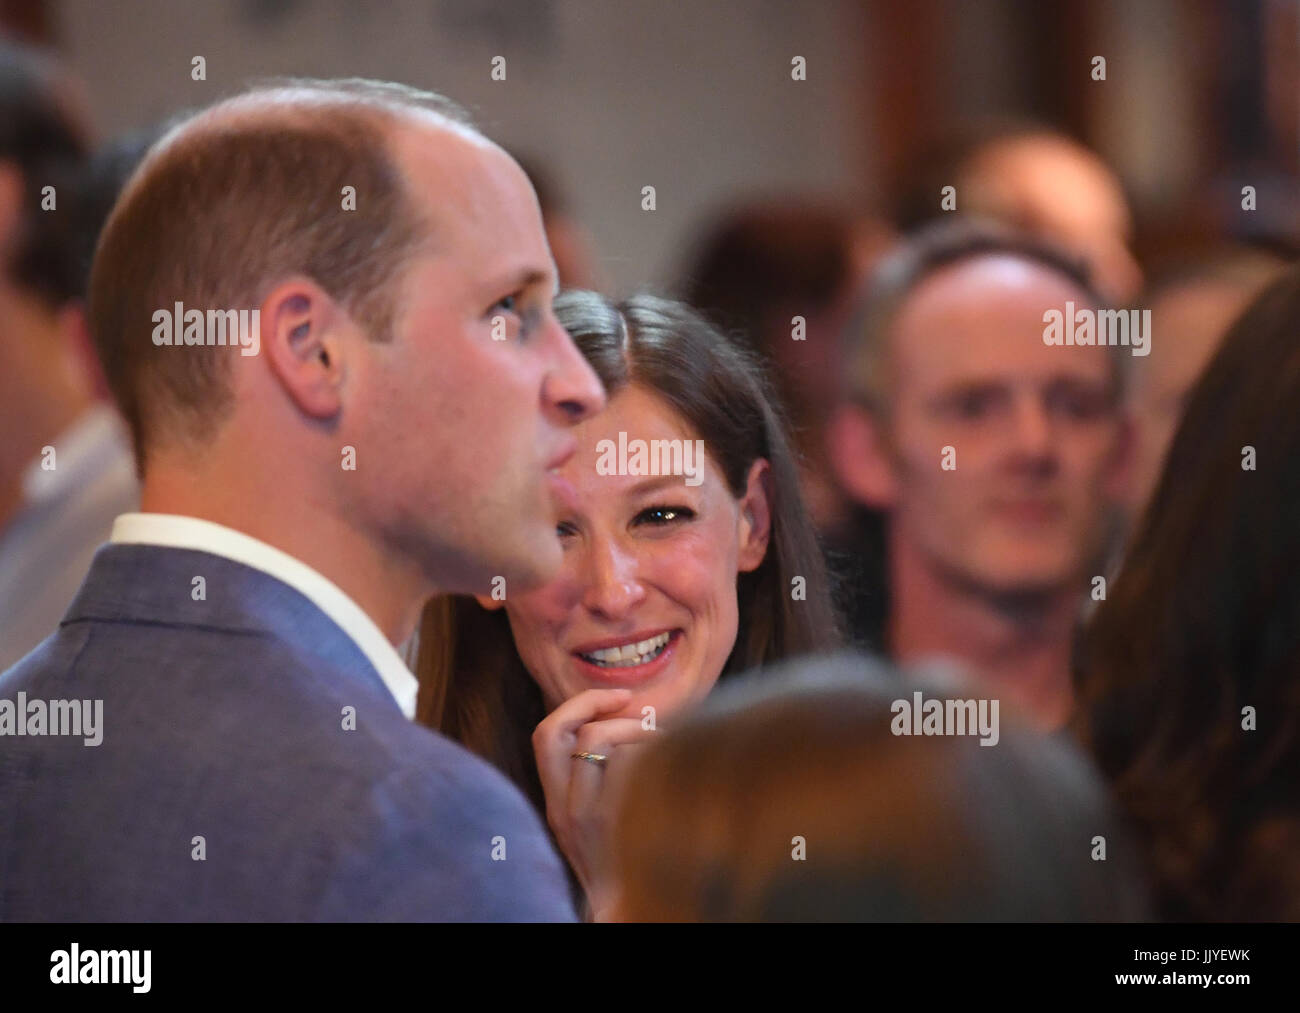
[571, 391]
[1033, 433]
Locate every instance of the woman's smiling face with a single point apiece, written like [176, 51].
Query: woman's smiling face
[646, 593]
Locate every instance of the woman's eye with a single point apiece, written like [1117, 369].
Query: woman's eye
[565, 528]
[665, 514]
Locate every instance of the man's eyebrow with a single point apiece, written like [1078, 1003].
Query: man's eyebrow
[526, 278]
[1071, 378]
[960, 387]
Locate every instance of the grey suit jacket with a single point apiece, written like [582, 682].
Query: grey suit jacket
[227, 785]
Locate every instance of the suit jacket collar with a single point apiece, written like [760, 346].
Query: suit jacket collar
[169, 586]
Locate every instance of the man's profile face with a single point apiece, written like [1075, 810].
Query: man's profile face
[1035, 432]
[472, 401]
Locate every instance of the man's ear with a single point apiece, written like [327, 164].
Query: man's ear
[755, 523]
[302, 336]
[859, 455]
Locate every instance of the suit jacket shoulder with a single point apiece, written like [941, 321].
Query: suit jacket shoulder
[252, 766]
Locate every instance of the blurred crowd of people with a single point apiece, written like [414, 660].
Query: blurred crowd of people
[909, 491]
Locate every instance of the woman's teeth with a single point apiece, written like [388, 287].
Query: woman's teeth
[629, 654]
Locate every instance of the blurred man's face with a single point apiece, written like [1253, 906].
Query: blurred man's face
[1036, 435]
[469, 407]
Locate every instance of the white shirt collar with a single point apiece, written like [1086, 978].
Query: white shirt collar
[192, 533]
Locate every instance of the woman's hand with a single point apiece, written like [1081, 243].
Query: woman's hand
[576, 798]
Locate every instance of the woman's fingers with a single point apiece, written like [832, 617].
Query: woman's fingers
[573, 784]
[604, 738]
[555, 739]
[586, 706]
[585, 808]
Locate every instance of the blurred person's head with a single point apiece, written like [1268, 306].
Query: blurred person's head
[45, 140]
[994, 454]
[105, 174]
[408, 386]
[669, 581]
[45, 373]
[1039, 181]
[755, 270]
[1189, 696]
[797, 799]
[1191, 310]
[571, 244]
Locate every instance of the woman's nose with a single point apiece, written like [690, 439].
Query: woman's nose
[612, 585]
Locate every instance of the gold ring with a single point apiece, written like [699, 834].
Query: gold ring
[597, 758]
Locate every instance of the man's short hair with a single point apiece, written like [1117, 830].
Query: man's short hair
[232, 201]
[925, 253]
[43, 135]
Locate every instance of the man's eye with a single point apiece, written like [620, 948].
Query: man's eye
[971, 405]
[665, 515]
[509, 304]
[1077, 404]
[565, 528]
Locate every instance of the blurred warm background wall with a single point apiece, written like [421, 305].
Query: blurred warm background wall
[697, 99]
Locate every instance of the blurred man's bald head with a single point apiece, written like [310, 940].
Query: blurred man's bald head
[1038, 181]
[1054, 187]
[297, 177]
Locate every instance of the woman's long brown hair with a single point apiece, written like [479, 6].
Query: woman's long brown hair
[1203, 622]
[473, 686]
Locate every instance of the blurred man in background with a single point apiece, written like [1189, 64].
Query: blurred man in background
[571, 244]
[65, 459]
[1040, 182]
[994, 457]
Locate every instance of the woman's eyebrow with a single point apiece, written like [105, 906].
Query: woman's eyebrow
[655, 483]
